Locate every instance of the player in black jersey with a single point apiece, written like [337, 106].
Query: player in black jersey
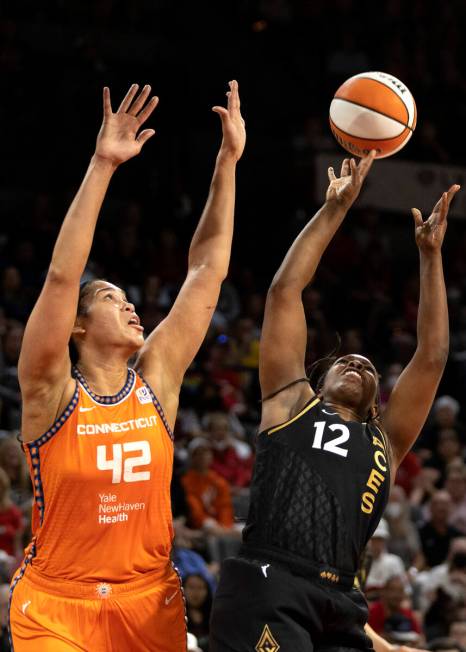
[325, 460]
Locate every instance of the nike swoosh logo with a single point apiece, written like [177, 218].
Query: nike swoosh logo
[25, 606]
[168, 600]
[83, 409]
[330, 413]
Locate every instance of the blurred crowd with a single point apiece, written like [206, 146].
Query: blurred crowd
[289, 57]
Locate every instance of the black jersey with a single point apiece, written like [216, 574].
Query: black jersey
[319, 488]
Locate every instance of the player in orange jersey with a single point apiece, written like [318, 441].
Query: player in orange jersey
[97, 575]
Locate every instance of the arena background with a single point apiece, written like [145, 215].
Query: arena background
[289, 58]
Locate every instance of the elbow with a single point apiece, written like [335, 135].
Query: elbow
[217, 273]
[282, 287]
[57, 275]
[436, 358]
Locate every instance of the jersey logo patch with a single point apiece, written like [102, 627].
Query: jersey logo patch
[267, 643]
[143, 395]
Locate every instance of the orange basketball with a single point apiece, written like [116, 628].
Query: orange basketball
[373, 110]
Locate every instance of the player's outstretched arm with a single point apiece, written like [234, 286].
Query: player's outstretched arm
[44, 361]
[414, 392]
[381, 645]
[171, 347]
[284, 332]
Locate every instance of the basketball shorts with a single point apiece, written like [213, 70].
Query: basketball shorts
[264, 607]
[145, 615]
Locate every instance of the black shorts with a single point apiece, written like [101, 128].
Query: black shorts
[265, 608]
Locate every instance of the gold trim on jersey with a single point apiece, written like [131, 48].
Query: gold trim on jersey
[300, 414]
[267, 643]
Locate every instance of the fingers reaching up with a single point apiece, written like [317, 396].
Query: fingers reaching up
[118, 139]
[345, 188]
[430, 233]
[233, 125]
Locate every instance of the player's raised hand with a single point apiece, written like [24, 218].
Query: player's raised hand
[345, 189]
[233, 125]
[430, 233]
[118, 139]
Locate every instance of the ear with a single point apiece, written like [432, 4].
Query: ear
[78, 328]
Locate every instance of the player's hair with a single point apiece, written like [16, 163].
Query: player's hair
[85, 291]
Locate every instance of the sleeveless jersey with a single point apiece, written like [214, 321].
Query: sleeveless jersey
[319, 489]
[101, 479]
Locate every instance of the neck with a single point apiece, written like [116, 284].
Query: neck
[104, 377]
[346, 413]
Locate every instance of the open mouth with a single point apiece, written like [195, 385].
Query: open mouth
[135, 323]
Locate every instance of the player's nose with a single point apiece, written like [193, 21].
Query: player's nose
[356, 364]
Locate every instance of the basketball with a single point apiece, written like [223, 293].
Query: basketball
[373, 110]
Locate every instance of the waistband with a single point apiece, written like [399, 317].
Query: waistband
[327, 575]
[98, 589]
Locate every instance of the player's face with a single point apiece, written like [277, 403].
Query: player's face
[111, 318]
[352, 380]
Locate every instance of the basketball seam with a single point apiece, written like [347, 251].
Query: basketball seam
[377, 81]
[369, 108]
[367, 139]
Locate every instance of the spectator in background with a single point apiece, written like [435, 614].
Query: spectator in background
[384, 564]
[457, 632]
[13, 295]
[11, 520]
[437, 534]
[232, 459]
[429, 581]
[12, 460]
[391, 618]
[207, 494]
[4, 602]
[449, 599]
[448, 450]
[404, 538]
[424, 487]
[455, 484]
[187, 560]
[444, 415]
[9, 385]
[445, 644]
[408, 471]
[198, 596]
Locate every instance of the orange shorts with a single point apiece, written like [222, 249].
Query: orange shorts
[145, 615]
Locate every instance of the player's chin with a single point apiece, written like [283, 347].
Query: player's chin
[134, 340]
[351, 392]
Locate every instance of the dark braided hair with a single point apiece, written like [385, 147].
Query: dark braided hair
[85, 291]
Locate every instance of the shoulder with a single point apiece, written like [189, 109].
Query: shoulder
[287, 406]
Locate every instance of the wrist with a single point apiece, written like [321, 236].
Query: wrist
[430, 254]
[103, 164]
[336, 207]
[226, 158]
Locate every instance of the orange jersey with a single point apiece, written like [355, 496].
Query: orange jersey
[101, 480]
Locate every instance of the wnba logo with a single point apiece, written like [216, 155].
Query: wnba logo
[143, 395]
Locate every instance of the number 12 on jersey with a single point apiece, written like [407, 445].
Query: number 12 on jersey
[125, 467]
[332, 446]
